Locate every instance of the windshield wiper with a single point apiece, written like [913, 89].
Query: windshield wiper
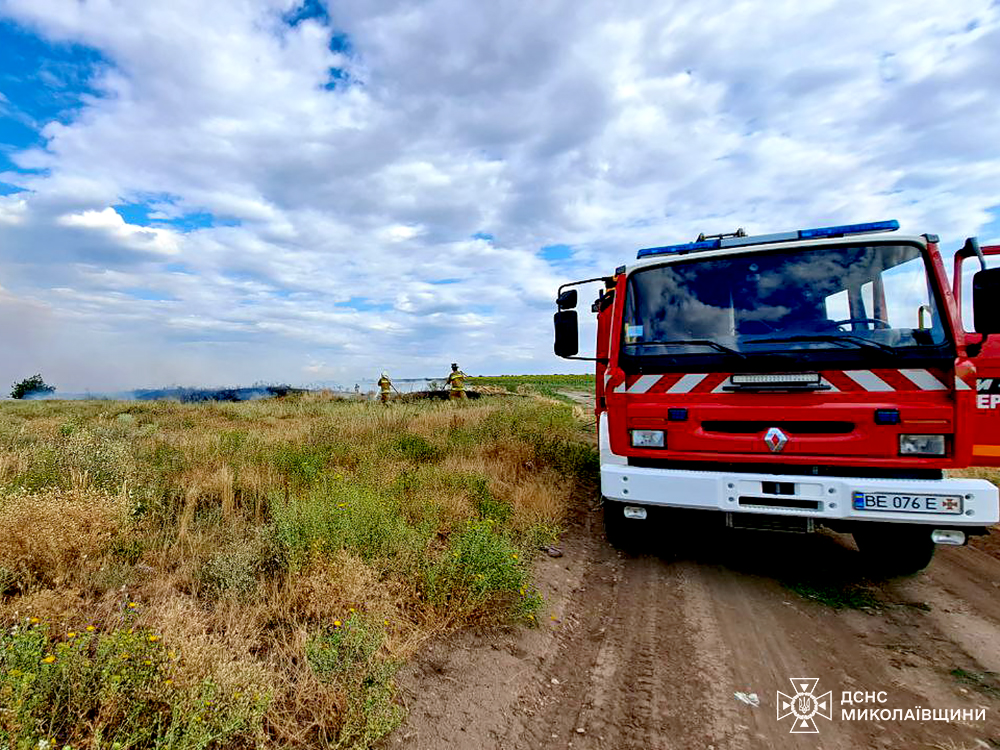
[695, 342]
[836, 339]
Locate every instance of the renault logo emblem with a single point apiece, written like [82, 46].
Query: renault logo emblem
[775, 439]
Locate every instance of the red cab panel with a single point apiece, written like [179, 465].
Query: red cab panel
[986, 414]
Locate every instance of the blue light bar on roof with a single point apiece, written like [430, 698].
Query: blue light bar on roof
[685, 248]
[802, 234]
[874, 226]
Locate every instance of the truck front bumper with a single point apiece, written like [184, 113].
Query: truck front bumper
[817, 497]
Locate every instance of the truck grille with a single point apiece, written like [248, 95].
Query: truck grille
[742, 427]
[785, 503]
[760, 522]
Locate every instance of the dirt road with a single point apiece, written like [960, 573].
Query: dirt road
[649, 651]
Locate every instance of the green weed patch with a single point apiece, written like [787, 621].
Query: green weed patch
[114, 689]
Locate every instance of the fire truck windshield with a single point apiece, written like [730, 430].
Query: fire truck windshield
[852, 302]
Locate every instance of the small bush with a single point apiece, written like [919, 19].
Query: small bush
[486, 504]
[345, 646]
[570, 457]
[480, 567]
[417, 448]
[33, 386]
[45, 469]
[233, 443]
[104, 458]
[348, 655]
[232, 571]
[301, 464]
[127, 549]
[240, 563]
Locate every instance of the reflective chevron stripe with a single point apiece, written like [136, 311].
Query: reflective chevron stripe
[868, 380]
[924, 380]
[686, 384]
[872, 381]
[644, 383]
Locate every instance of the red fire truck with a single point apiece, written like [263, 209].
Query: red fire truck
[806, 378]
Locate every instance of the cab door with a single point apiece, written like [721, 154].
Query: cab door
[986, 419]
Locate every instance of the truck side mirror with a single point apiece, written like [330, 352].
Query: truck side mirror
[986, 300]
[567, 342]
[567, 300]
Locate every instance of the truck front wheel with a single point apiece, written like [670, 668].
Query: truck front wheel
[891, 549]
[622, 533]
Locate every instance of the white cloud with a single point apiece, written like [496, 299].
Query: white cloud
[12, 209]
[110, 223]
[606, 127]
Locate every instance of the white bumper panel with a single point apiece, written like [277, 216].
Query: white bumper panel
[815, 496]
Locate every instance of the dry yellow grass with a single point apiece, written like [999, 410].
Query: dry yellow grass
[48, 538]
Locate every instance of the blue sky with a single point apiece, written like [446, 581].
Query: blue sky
[40, 82]
[293, 191]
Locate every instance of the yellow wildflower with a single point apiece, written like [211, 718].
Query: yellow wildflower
[48, 659]
[154, 638]
[148, 663]
[351, 610]
[91, 628]
[34, 620]
[385, 621]
[336, 623]
[168, 682]
[133, 605]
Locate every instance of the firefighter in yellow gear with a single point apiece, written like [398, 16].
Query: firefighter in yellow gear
[385, 387]
[456, 380]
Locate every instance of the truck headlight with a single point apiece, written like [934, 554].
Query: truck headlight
[921, 445]
[648, 439]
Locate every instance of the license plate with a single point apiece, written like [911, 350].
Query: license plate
[899, 503]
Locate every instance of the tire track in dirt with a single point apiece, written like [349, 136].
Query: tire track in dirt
[614, 678]
[647, 652]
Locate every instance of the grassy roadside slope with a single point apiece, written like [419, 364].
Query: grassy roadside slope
[252, 575]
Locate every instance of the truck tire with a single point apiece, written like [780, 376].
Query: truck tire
[891, 549]
[622, 533]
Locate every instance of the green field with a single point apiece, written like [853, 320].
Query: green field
[551, 386]
[253, 574]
